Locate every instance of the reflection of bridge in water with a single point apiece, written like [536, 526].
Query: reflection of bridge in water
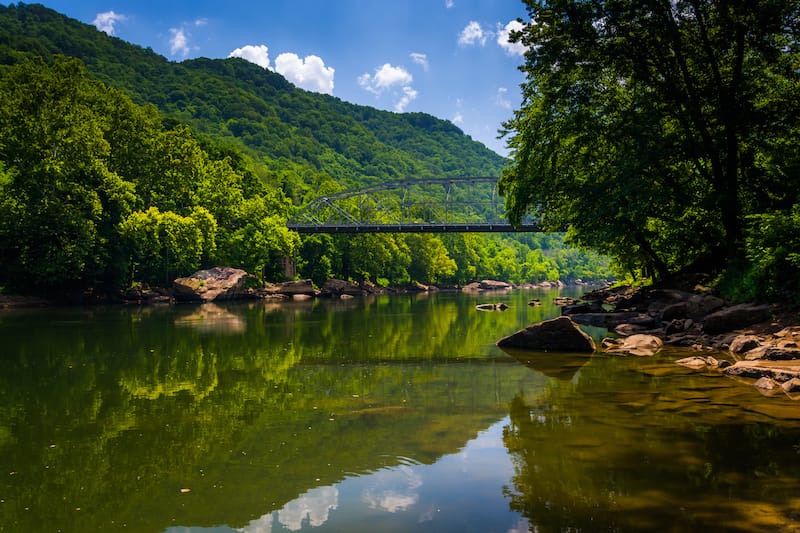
[440, 205]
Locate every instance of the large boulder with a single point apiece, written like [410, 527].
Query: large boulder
[215, 284]
[557, 335]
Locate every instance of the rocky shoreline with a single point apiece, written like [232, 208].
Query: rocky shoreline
[753, 341]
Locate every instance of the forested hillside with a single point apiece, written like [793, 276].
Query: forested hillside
[120, 166]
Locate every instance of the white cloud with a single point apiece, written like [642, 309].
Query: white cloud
[179, 43]
[106, 21]
[449, 3]
[503, 33]
[394, 79]
[258, 54]
[200, 22]
[458, 118]
[420, 59]
[472, 34]
[309, 73]
[409, 94]
[385, 77]
[501, 99]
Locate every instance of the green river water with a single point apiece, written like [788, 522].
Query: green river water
[391, 413]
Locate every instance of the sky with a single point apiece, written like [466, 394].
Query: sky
[449, 58]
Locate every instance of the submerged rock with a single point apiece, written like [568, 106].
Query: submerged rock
[557, 335]
[698, 362]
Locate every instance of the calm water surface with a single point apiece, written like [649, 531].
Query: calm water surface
[381, 414]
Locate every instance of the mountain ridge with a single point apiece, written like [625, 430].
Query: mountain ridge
[258, 110]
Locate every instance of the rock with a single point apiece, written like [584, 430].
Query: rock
[626, 330]
[698, 362]
[612, 320]
[692, 306]
[675, 311]
[338, 287]
[491, 307]
[677, 326]
[791, 386]
[214, 284]
[301, 297]
[564, 300]
[778, 370]
[303, 286]
[778, 353]
[735, 317]
[638, 344]
[493, 285]
[789, 333]
[416, 286]
[703, 304]
[594, 306]
[535, 302]
[557, 335]
[371, 288]
[766, 384]
[744, 343]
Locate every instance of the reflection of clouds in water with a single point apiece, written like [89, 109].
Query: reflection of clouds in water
[522, 526]
[394, 490]
[314, 505]
[309, 508]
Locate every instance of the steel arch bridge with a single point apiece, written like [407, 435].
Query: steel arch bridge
[435, 205]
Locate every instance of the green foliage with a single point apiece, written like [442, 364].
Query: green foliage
[165, 245]
[772, 266]
[59, 196]
[109, 160]
[655, 129]
[95, 190]
[430, 260]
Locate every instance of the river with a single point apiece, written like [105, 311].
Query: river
[390, 413]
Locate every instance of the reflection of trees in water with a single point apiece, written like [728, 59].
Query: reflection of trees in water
[607, 452]
[136, 404]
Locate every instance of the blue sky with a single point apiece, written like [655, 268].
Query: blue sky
[449, 58]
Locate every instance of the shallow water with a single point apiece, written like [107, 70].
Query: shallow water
[375, 414]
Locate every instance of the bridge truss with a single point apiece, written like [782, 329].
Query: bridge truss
[438, 205]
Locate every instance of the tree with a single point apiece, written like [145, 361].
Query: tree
[165, 245]
[430, 261]
[649, 127]
[59, 198]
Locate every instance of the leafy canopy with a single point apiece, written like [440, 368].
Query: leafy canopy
[655, 129]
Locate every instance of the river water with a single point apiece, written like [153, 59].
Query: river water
[391, 413]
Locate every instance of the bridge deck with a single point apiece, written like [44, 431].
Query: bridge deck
[485, 227]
